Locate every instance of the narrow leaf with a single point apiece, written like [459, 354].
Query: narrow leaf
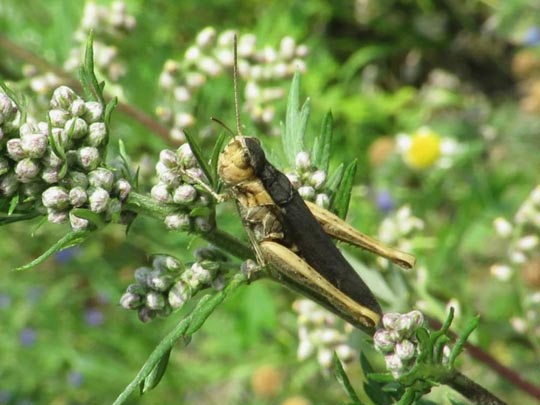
[9, 219]
[13, 204]
[197, 152]
[215, 157]
[71, 239]
[323, 143]
[344, 380]
[156, 374]
[332, 184]
[295, 122]
[95, 219]
[460, 342]
[340, 202]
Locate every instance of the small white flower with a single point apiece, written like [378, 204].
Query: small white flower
[502, 227]
[519, 324]
[501, 272]
[527, 242]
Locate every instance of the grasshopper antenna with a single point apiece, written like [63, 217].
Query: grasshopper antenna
[235, 74]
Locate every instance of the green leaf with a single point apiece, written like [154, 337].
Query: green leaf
[344, 380]
[215, 157]
[153, 379]
[361, 58]
[340, 202]
[9, 219]
[460, 342]
[71, 239]
[94, 218]
[295, 122]
[372, 388]
[191, 323]
[89, 81]
[197, 152]
[320, 154]
[13, 204]
[332, 184]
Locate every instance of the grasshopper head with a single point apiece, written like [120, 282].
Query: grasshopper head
[241, 160]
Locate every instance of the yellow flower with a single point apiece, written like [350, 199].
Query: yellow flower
[424, 148]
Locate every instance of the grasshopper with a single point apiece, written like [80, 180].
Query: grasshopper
[292, 235]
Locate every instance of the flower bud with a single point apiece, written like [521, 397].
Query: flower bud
[88, 157]
[184, 194]
[55, 198]
[527, 242]
[183, 119]
[76, 128]
[306, 192]
[62, 98]
[34, 145]
[195, 79]
[302, 161]
[50, 175]
[390, 319]
[155, 300]
[122, 189]
[185, 156]
[194, 174]
[141, 274]
[78, 223]
[324, 357]
[203, 224]
[160, 193]
[78, 107]
[502, 227]
[28, 128]
[317, 179]
[77, 196]
[130, 301]
[345, 353]
[97, 134]
[287, 47]
[206, 37]
[178, 222]
[305, 349]
[383, 341]
[8, 184]
[405, 350]
[99, 199]
[203, 274]
[146, 314]
[60, 137]
[167, 176]
[93, 112]
[8, 109]
[394, 364]
[158, 281]
[101, 177]
[501, 272]
[15, 150]
[322, 200]
[77, 179]
[167, 158]
[248, 267]
[57, 217]
[192, 54]
[226, 38]
[179, 294]
[58, 117]
[181, 94]
[27, 170]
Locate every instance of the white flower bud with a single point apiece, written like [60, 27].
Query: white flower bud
[58, 117]
[34, 145]
[62, 98]
[77, 179]
[200, 274]
[305, 349]
[88, 157]
[302, 161]
[206, 37]
[97, 133]
[160, 193]
[76, 128]
[345, 353]
[267, 114]
[101, 177]
[158, 281]
[330, 337]
[502, 227]
[203, 224]
[527, 242]
[179, 294]
[130, 301]
[226, 39]
[195, 79]
[8, 185]
[517, 257]
[405, 350]
[155, 300]
[287, 47]
[192, 54]
[93, 112]
[57, 217]
[225, 56]
[246, 45]
[306, 192]
[166, 175]
[383, 341]
[317, 179]
[501, 272]
[77, 196]
[167, 158]
[181, 94]
[50, 175]
[325, 357]
[184, 194]
[8, 109]
[60, 137]
[78, 108]
[209, 66]
[394, 364]
[322, 200]
[55, 198]
[519, 324]
[302, 51]
[77, 223]
[15, 150]
[122, 189]
[390, 320]
[99, 200]
[27, 170]
[178, 222]
[183, 119]
[195, 173]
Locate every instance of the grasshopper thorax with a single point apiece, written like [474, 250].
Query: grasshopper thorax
[241, 160]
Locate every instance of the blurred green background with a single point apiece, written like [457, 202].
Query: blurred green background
[469, 70]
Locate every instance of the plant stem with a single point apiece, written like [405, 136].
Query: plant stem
[472, 391]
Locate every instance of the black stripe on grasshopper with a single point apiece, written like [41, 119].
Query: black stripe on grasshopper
[314, 245]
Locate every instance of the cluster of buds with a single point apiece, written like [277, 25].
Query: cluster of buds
[397, 340]
[168, 284]
[522, 259]
[183, 184]
[309, 181]
[323, 332]
[212, 55]
[399, 230]
[109, 25]
[9, 120]
[57, 166]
